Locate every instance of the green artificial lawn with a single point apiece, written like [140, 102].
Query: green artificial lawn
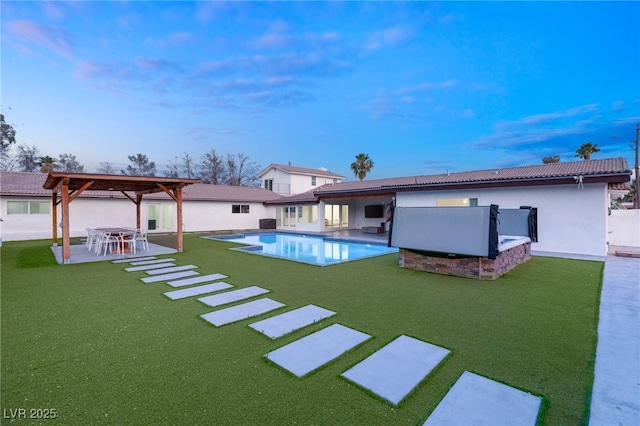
[99, 346]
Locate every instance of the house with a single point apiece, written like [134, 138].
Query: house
[572, 199]
[292, 180]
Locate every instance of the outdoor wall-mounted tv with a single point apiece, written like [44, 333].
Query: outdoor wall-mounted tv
[374, 211]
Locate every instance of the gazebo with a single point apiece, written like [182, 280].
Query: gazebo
[71, 185]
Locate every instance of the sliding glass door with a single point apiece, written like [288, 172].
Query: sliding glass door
[336, 216]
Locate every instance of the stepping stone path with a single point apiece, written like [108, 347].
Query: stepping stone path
[392, 372]
[171, 269]
[313, 351]
[282, 324]
[240, 312]
[168, 277]
[196, 280]
[476, 400]
[149, 267]
[196, 291]
[150, 262]
[233, 296]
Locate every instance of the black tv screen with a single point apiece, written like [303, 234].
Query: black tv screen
[374, 211]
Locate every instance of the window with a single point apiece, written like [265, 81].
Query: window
[308, 214]
[457, 202]
[268, 184]
[28, 207]
[313, 181]
[240, 208]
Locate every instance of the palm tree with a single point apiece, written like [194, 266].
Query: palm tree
[586, 149]
[362, 166]
[47, 164]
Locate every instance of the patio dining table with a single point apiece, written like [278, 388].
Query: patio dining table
[124, 236]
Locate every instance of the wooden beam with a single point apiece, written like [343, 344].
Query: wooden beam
[138, 203]
[169, 192]
[80, 191]
[66, 241]
[54, 218]
[178, 198]
[129, 197]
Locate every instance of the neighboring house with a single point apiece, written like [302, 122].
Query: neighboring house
[291, 180]
[572, 198]
[25, 208]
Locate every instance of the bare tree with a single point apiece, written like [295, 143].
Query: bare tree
[212, 168]
[106, 168]
[173, 169]
[140, 166]
[68, 163]
[231, 177]
[189, 166]
[28, 158]
[241, 171]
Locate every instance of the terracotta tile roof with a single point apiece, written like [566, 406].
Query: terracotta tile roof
[302, 198]
[302, 171]
[17, 183]
[206, 192]
[620, 186]
[23, 184]
[609, 166]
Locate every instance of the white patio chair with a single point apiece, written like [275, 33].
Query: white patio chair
[141, 236]
[129, 239]
[105, 242]
[92, 237]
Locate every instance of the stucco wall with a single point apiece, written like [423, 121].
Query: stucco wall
[83, 213]
[93, 213]
[216, 216]
[571, 220]
[624, 228]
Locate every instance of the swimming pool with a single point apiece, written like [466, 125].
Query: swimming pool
[308, 249]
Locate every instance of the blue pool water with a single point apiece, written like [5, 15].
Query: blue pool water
[309, 249]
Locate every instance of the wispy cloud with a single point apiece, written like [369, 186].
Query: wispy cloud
[205, 133]
[175, 39]
[51, 38]
[407, 100]
[539, 128]
[389, 37]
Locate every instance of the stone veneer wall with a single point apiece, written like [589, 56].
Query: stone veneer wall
[480, 268]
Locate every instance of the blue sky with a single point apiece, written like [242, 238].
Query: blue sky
[421, 87]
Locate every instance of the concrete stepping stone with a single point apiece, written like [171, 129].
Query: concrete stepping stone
[315, 350]
[171, 269]
[476, 400]
[151, 261]
[197, 290]
[133, 259]
[149, 267]
[168, 277]
[242, 311]
[233, 296]
[396, 369]
[279, 325]
[196, 280]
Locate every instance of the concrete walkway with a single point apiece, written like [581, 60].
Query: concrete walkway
[616, 389]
